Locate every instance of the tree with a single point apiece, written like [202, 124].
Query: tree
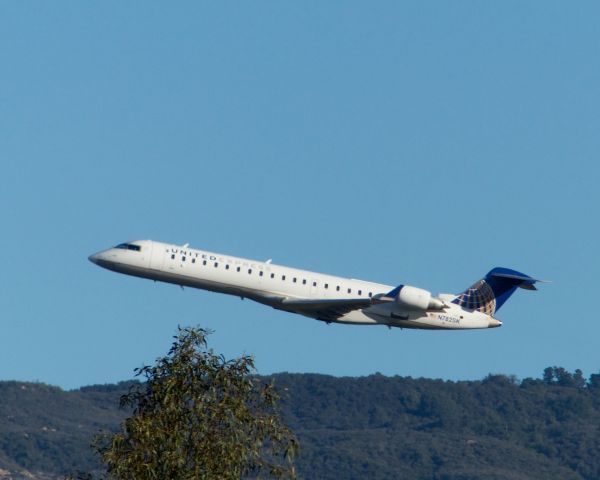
[563, 377]
[578, 379]
[199, 416]
[594, 382]
[548, 375]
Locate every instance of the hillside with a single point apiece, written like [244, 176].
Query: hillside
[373, 427]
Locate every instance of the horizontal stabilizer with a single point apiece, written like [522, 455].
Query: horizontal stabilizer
[491, 292]
[516, 276]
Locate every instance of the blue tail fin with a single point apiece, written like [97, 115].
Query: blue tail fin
[489, 294]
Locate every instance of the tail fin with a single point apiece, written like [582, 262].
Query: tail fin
[489, 294]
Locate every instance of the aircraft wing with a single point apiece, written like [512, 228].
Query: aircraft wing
[327, 310]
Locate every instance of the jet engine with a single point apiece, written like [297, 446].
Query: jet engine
[413, 298]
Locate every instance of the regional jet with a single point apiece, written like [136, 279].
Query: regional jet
[316, 295]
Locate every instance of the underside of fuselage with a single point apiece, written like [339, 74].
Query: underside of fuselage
[178, 278]
[360, 317]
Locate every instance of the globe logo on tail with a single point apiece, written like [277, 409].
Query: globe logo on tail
[479, 297]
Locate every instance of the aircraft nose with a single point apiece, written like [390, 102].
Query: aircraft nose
[98, 258]
[104, 259]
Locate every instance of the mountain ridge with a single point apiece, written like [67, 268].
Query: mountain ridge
[373, 427]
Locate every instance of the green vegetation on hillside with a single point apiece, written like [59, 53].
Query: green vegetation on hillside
[381, 427]
[45, 429]
[369, 427]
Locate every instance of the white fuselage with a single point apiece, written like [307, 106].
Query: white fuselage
[281, 287]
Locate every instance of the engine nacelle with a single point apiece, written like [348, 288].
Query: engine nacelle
[413, 298]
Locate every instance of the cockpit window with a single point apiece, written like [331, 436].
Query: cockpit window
[129, 246]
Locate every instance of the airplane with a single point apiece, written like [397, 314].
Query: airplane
[322, 297]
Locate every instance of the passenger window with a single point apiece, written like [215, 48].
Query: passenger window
[272, 275]
[359, 293]
[249, 271]
[304, 281]
[193, 260]
[349, 290]
[314, 284]
[337, 288]
[294, 279]
[173, 256]
[204, 262]
[370, 294]
[183, 259]
[260, 274]
[326, 285]
[238, 269]
[283, 278]
[226, 267]
[216, 264]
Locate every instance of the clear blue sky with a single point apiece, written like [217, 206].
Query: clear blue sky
[398, 142]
